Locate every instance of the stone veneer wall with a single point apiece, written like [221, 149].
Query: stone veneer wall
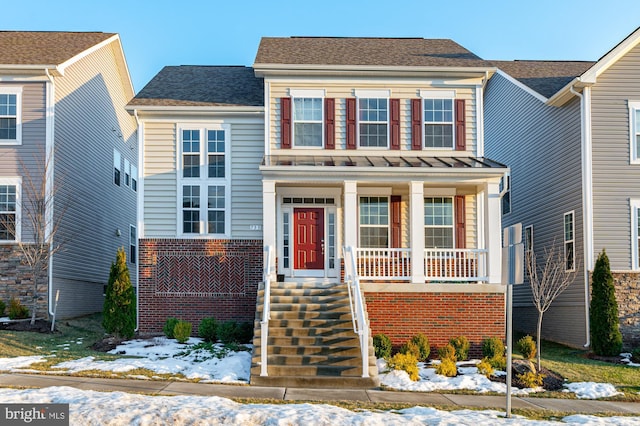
[439, 316]
[627, 286]
[192, 279]
[16, 280]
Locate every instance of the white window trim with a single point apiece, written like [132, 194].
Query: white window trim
[438, 94]
[634, 205]
[127, 173]
[312, 94]
[453, 221]
[17, 182]
[203, 181]
[373, 94]
[388, 225]
[134, 178]
[528, 227]
[117, 164]
[133, 244]
[507, 190]
[565, 241]
[14, 90]
[633, 148]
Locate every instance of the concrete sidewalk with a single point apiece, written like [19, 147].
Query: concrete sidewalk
[294, 394]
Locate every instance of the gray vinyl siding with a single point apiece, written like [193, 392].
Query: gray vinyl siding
[90, 121]
[615, 180]
[30, 154]
[541, 145]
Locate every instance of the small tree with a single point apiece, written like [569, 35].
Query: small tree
[605, 328]
[548, 280]
[119, 312]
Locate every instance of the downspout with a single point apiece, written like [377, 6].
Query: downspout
[139, 222]
[587, 197]
[49, 144]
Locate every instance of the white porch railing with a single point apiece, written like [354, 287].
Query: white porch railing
[383, 263]
[455, 264]
[360, 326]
[267, 276]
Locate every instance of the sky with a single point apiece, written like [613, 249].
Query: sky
[156, 33]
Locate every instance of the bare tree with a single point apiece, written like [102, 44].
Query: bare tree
[548, 280]
[38, 191]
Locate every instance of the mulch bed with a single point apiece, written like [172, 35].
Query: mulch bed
[551, 382]
[40, 326]
[107, 344]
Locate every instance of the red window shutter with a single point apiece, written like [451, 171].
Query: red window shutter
[396, 221]
[351, 123]
[461, 128]
[416, 124]
[394, 108]
[330, 123]
[461, 235]
[285, 123]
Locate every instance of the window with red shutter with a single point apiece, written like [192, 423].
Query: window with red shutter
[461, 129]
[329, 123]
[351, 123]
[416, 124]
[394, 131]
[461, 235]
[285, 123]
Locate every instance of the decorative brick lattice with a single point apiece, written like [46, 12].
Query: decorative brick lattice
[200, 274]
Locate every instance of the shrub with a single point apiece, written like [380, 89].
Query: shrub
[422, 342]
[530, 379]
[527, 347]
[235, 332]
[410, 348]
[405, 362]
[245, 332]
[182, 331]
[447, 352]
[635, 355]
[605, 327]
[169, 326]
[492, 347]
[461, 345]
[2, 307]
[498, 362]
[207, 330]
[119, 309]
[447, 367]
[382, 346]
[17, 310]
[485, 367]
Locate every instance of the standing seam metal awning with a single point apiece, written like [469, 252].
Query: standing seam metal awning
[380, 161]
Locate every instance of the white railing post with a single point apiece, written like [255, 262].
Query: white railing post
[361, 328]
[266, 311]
[455, 265]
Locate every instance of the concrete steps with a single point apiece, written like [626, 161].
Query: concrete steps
[311, 342]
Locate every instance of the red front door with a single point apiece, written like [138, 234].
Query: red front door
[308, 238]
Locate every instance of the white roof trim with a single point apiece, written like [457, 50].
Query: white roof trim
[612, 57]
[87, 52]
[522, 86]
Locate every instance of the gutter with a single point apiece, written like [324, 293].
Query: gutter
[587, 194]
[49, 149]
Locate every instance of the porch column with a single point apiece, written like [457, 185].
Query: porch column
[416, 219]
[351, 213]
[269, 216]
[493, 231]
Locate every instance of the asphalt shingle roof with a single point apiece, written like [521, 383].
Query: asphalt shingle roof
[545, 77]
[417, 52]
[44, 47]
[193, 85]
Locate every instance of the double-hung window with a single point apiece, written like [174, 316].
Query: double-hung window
[117, 166]
[505, 185]
[569, 241]
[374, 222]
[438, 222]
[373, 122]
[634, 131]
[635, 234]
[127, 173]
[9, 209]
[133, 244]
[134, 178]
[438, 118]
[204, 180]
[10, 115]
[307, 122]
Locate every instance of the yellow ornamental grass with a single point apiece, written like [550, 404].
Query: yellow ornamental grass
[406, 362]
[447, 367]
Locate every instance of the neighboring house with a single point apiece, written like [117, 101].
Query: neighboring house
[62, 98]
[370, 143]
[570, 133]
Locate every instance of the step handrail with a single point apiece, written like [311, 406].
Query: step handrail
[356, 303]
[266, 312]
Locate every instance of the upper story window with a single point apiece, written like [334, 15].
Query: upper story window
[373, 117]
[9, 209]
[117, 166]
[133, 244]
[374, 222]
[127, 173]
[438, 222]
[569, 241]
[10, 115]
[634, 131]
[307, 122]
[505, 185]
[191, 153]
[134, 178]
[438, 123]
[215, 153]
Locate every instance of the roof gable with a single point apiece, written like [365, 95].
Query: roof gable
[353, 51]
[191, 85]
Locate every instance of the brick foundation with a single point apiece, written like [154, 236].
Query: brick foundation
[195, 279]
[627, 285]
[16, 280]
[439, 316]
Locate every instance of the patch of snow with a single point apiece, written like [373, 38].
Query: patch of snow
[591, 390]
[12, 364]
[626, 358]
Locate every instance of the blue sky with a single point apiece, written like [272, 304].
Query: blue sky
[160, 32]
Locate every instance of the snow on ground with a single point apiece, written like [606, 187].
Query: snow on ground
[117, 408]
[626, 358]
[16, 363]
[591, 390]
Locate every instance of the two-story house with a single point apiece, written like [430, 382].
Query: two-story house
[66, 142]
[372, 144]
[569, 132]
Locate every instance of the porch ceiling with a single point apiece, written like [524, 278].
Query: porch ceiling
[340, 167]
